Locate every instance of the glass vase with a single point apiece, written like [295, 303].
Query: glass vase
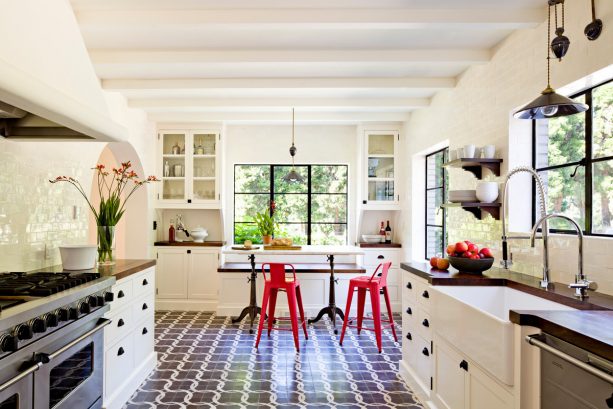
[106, 245]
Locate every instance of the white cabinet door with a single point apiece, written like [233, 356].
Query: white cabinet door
[449, 378]
[381, 161]
[202, 276]
[485, 393]
[171, 273]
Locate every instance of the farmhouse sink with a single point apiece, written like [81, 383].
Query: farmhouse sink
[476, 321]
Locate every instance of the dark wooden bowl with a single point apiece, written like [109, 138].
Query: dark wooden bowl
[466, 265]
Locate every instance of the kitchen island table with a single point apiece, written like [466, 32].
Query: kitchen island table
[331, 310]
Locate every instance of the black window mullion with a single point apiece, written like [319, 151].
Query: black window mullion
[309, 217]
[442, 187]
[589, 115]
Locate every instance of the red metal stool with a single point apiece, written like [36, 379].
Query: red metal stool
[376, 285]
[272, 285]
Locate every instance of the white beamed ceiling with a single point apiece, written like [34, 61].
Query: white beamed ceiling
[342, 61]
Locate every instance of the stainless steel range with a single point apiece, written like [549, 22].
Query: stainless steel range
[51, 339]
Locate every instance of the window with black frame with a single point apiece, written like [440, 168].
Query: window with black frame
[436, 195]
[311, 212]
[574, 157]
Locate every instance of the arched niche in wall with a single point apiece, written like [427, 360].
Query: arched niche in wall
[131, 233]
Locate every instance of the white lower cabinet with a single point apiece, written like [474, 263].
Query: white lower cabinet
[187, 278]
[459, 383]
[129, 356]
[375, 256]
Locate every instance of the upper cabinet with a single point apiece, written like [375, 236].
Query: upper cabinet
[190, 168]
[380, 188]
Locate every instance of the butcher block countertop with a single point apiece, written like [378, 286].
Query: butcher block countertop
[190, 244]
[121, 269]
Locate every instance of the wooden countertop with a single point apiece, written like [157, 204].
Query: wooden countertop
[341, 268]
[121, 269]
[380, 245]
[311, 250]
[190, 244]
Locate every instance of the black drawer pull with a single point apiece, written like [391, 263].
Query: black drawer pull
[145, 306]
[189, 252]
[425, 322]
[425, 294]
[464, 365]
[409, 336]
[409, 285]
[145, 331]
[425, 351]
[380, 257]
[120, 351]
[120, 294]
[120, 323]
[145, 282]
[189, 200]
[409, 311]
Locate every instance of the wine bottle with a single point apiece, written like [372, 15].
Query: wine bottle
[171, 233]
[388, 233]
[382, 233]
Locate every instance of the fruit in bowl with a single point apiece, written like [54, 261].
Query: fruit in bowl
[466, 257]
[439, 263]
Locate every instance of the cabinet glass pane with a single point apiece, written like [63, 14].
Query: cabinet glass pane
[205, 144]
[380, 167]
[381, 144]
[173, 189]
[204, 167]
[173, 144]
[173, 166]
[381, 190]
[204, 189]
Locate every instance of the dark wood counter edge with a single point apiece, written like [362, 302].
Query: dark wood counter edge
[121, 269]
[565, 325]
[300, 268]
[380, 245]
[558, 292]
[189, 244]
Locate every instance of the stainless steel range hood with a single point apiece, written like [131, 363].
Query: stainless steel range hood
[15, 123]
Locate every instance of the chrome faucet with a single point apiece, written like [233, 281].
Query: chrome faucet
[581, 284]
[506, 262]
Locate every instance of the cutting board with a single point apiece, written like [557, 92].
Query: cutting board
[282, 247]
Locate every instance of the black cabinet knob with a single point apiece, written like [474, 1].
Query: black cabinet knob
[425, 351]
[120, 294]
[409, 285]
[409, 336]
[425, 294]
[8, 343]
[145, 282]
[189, 200]
[380, 257]
[120, 323]
[120, 351]
[145, 331]
[425, 322]
[38, 325]
[364, 201]
[109, 296]
[464, 365]
[189, 252]
[145, 306]
[24, 331]
[409, 311]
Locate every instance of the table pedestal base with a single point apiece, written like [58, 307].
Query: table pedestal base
[331, 310]
[252, 309]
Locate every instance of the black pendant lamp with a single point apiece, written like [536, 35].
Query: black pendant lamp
[293, 176]
[550, 104]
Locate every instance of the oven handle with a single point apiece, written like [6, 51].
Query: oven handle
[532, 340]
[102, 322]
[21, 375]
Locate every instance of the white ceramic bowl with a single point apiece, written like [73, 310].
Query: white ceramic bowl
[199, 235]
[487, 192]
[371, 238]
[78, 257]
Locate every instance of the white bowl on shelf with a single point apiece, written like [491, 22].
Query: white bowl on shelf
[78, 257]
[371, 238]
[199, 234]
[487, 192]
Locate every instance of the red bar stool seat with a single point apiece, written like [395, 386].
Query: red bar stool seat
[375, 284]
[275, 282]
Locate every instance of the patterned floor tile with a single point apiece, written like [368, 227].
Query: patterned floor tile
[205, 361]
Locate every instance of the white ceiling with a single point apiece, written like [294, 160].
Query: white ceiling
[252, 60]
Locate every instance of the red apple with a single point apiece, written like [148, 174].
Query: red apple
[442, 264]
[481, 255]
[473, 248]
[486, 252]
[468, 242]
[461, 247]
[467, 254]
[433, 262]
[474, 257]
[451, 249]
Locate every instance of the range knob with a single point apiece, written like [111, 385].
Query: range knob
[52, 319]
[92, 301]
[23, 332]
[38, 325]
[8, 343]
[84, 307]
[62, 314]
[100, 300]
[73, 313]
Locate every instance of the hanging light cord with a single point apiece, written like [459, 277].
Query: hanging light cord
[548, 48]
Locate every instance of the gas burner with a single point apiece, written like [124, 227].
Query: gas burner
[41, 284]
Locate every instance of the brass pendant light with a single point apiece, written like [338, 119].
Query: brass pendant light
[293, 176]
[550, 104]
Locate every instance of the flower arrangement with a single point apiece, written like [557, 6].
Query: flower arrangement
[111, 186]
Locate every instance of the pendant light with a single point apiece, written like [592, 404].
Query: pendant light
[293, 176]
[550, 104]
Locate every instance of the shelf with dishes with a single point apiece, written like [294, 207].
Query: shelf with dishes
[477, 208]
[476, 165]
[479, 201]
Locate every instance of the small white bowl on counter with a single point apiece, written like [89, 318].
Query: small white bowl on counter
[78, 256]
[199, 234]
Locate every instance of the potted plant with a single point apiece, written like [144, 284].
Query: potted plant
[111, 187]
[266, 226]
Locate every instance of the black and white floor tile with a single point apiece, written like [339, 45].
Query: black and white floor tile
[207, 362]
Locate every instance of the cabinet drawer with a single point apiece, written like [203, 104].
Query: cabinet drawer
[409, 290]
[423, 294]
[143, 308]
[144, 334]
[121, 325]
[409, 348]
[409, 317]
[144, 283]
[118, 364]
[423, 324]
[374, 258]
[423, 364]
[122, 292]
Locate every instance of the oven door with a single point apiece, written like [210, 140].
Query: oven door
[16, 392]
[72, 376]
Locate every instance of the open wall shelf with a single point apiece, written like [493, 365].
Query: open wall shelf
[476, 165]
[477, 208]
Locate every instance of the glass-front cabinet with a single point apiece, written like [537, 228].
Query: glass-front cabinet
[189, 169]
[381, 150]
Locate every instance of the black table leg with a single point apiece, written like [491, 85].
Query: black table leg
[331, 310]
[252, 309]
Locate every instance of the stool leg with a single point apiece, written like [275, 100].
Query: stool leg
[389, 312]
[262, 315]
[347, 309]
[272, 302]
[376, 313]
[361, 301]
[301, 310]
[291, 301]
